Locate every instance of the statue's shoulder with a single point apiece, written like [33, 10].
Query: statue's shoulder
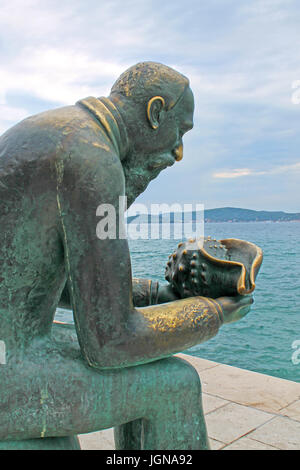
[58, 121]
[65, 128]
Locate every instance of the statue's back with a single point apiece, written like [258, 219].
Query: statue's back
[31, 253]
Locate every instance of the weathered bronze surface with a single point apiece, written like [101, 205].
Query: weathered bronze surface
[113, 368]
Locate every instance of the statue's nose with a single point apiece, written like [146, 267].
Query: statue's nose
[178, 153]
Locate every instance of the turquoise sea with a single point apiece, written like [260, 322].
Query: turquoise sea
[263, 341]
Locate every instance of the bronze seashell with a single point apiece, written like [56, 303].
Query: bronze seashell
[231, 267]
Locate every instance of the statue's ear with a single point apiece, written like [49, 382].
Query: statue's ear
[155, 107]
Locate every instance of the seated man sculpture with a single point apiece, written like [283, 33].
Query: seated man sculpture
[113, 368]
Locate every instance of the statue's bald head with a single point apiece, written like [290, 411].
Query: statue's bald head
[156, 105]
[147, 79]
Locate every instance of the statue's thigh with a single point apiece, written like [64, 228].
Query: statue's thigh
[67, 397]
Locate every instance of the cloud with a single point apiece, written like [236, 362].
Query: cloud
[241, 58]
[285, 168]
[66, 49]
[61, 52]
[10, 115]
[57, 75]
[239, 172]
[235, 173]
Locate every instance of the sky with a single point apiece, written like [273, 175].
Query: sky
[242, 59]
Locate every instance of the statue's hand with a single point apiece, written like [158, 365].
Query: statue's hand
[235, 308]
[166, 294]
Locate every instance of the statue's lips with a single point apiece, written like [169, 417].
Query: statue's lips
[167, 159]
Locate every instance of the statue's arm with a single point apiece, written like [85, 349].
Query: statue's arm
[111, 331]
[145, 292]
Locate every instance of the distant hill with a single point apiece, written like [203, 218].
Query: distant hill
[233, 214]
[223, 214]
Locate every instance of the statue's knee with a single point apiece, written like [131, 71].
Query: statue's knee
[184, 376]
[191, 377]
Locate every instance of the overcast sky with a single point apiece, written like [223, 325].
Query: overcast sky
[243, 61]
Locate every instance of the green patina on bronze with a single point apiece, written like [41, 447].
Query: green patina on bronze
[113, 368]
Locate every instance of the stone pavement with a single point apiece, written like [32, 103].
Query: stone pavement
[244, 410]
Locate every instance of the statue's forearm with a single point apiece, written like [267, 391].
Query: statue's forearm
[159, 331]
[156, 331]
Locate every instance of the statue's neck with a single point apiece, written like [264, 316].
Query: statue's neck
[111, 120]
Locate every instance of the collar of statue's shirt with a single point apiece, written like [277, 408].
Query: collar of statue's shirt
[110, 119]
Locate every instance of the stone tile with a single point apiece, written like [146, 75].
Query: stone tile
[280, 432]
[211, 403]
[228, 423]
[250, 388]
[108, 437]
[216, 445]
[101, 440]
[89, 441]
[292, 411]
[198, 363]
[248, 444]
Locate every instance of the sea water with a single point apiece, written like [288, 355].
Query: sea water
[267, 340]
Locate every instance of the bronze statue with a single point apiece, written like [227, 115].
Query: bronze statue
[113, 368]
